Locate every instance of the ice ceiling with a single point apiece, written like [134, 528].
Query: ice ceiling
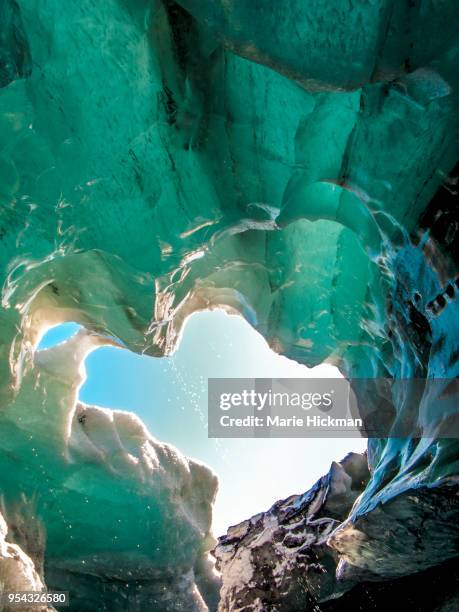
[293, 162]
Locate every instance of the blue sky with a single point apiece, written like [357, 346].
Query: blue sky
[170, 395]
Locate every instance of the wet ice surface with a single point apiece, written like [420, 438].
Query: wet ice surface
[158, 160]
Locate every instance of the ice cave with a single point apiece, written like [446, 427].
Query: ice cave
[294, 164]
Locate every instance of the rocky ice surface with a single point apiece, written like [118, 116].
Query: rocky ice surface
[282, 557]
[293, 162]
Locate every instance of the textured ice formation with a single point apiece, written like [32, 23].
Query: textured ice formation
[281, 559]
[112, 502]
[18, 572]
[268, 559]
[294, 162]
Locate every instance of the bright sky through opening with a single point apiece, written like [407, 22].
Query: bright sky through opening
[170, 395]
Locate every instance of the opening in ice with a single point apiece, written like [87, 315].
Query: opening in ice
[170, 396]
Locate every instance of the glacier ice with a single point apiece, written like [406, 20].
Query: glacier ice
[293, 163]
[115, 502]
